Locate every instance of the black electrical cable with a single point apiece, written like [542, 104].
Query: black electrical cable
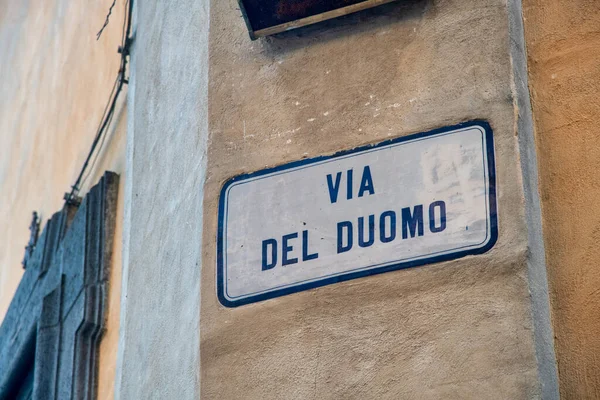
[100, 146]
[101, 143]
[71, 197]
[106, 20]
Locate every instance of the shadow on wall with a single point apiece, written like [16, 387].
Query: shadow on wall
[359, 23]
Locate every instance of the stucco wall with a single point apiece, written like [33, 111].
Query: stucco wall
[461, 329]
[166, 144]
[56, 79]
[563, 45]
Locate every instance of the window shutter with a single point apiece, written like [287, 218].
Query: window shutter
[56, 319]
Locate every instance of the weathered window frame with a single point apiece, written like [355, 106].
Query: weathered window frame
[56, 317]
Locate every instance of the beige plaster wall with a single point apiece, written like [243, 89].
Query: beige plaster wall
[460, 329]
[563, 45]
[55, 81]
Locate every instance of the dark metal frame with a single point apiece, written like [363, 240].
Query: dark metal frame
[308, 19]
[56, 318]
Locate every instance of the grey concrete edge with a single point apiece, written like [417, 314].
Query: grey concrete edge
[127, 200]
[536, 257]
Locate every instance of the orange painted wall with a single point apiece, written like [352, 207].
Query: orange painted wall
[563, 45]
[55, 79]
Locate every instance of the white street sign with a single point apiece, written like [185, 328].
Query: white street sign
[410, 201]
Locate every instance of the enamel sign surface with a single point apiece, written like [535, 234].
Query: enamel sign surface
[410, 201]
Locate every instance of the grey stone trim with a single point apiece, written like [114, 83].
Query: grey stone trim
[56, 318]
[159, 334]
[536, 258]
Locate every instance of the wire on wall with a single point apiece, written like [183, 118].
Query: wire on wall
[106, 20]
[72, 198]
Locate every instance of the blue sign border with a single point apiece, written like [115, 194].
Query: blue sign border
[377, 270]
